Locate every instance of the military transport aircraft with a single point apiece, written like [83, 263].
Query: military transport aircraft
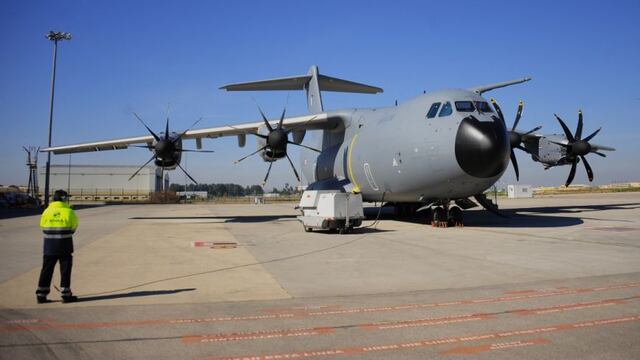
[437, 148]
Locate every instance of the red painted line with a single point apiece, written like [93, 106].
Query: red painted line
[469, 350]
[258, 335]
[425, 322]
[301, 309]
[577, 306]
[518, 292]
[431, 342]
[390, 325]
[278, 316]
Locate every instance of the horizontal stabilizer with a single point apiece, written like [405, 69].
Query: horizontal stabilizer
[285, 83]
[326, 83]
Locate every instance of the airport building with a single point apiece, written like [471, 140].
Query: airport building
[104, 182]
[519, 191]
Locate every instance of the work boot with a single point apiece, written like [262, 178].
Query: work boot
[69, 299]
[42, 299]
[67, 296]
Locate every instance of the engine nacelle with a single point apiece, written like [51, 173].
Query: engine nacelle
[168, 154]
[268, 155]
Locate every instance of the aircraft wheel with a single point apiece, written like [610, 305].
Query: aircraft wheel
[455, 216]
[439, 217]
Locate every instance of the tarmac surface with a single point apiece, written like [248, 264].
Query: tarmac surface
[560, 278]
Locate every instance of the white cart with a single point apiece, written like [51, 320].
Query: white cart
[330, 210]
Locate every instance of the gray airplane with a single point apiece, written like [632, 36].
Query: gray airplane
[433, 152]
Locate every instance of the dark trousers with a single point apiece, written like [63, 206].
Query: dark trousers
[48, 265]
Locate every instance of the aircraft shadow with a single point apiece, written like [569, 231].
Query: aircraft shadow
[483, 218]
[579, 208]
[133, 294]
[10, 213]
[232, 218]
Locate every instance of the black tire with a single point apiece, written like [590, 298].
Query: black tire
[308, 229]
[438, 215]
[455, 215]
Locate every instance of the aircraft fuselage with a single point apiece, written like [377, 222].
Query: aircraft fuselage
[410, 157]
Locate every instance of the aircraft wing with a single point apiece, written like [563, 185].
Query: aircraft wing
[299, 123]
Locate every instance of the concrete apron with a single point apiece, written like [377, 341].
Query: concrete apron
[155, 263]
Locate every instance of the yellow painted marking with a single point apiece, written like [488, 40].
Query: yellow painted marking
[356, 188]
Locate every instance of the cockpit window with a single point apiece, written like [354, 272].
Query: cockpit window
[482, 106]
[446, 110]
[433, 111]
[465, 106]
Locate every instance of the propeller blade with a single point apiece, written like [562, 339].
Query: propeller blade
[253, 153]
[264, 117]
[514, 161]
[518, 114]
[190, 150]
[304, 146]
[572, 173]
[293, 167]
[567, 133]
[143, 146]
[557, 143]
[145, 125]
[267, 176]
[592, 135]
[184, 132]
[166, 131]
[579, 128]
[498, 110]
[587, 167]
[522, 148]
[186, 173]
[533, 130]
[261, 136]
[142, 167]
[599, 153]
[282, 118]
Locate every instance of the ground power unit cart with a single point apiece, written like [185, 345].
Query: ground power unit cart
[330, 210]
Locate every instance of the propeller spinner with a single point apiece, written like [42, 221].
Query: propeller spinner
[577, 147]
[166, 149]
[276, 142]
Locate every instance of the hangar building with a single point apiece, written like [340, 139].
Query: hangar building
[104, 182]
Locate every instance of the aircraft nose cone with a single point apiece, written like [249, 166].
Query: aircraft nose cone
[482, 147]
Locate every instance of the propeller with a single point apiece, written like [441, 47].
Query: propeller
[515, 137]
[166, 149]
[276, 142]
[577, 147]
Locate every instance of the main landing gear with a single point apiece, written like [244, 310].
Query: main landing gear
[443, 216]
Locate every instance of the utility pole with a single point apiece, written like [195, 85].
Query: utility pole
[55, 37]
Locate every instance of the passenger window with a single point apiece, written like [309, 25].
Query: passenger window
[446, 110]
[482, 106]
[464, 106]
[433, 111]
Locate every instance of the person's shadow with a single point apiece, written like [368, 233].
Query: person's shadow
[132, 294]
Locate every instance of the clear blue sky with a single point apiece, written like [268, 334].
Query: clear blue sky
[141, 55]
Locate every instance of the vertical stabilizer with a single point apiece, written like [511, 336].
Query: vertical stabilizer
[312, 88]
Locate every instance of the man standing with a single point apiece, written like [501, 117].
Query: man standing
[58, 222]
